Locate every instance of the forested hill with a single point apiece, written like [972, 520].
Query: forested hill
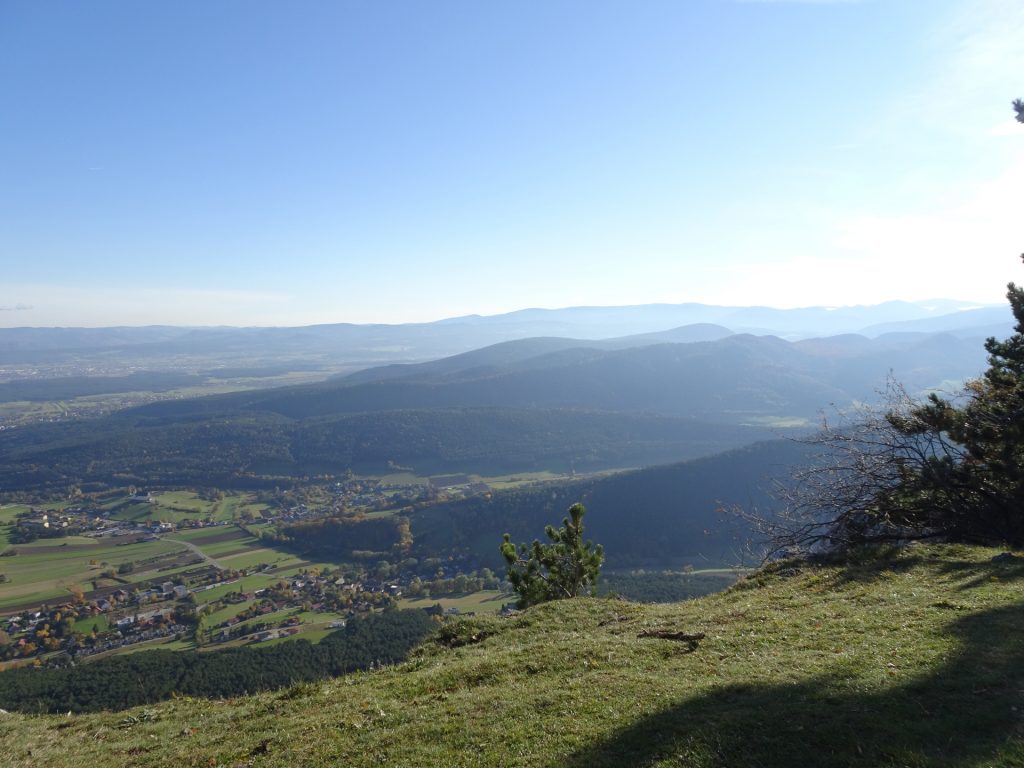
[734, 379]
[531, 353]
[679, 514]
[264, 450]
[525, 406]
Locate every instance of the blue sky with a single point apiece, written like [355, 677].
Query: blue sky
[255, 163]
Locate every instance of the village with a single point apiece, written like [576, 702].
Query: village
[204, 582]
[208, 608]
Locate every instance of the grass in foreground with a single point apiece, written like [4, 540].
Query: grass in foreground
[913, 662]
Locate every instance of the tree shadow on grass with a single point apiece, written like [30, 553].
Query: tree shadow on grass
[872, 565]
[1005, 568]
[868, 564]
[968, 713]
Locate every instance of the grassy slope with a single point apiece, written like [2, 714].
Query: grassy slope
[915, 663]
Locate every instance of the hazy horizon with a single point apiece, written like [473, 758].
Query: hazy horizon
[960, 306]
[256, 164]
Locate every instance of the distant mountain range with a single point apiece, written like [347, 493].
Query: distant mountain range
[531, 404]
[368, 345]
[543, 402]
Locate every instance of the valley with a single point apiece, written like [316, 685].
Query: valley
[251, 504]
[547, 385]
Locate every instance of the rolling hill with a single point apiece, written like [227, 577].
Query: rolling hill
[519, 406]
[266, 450]
[735, 379]
[172, 348]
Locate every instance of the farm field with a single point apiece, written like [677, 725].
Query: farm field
[52, 570]
[22, 412]
[48, 569]
[183, 506]
[484, 601]
[7, 514]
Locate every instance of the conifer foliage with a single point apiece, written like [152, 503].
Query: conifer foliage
[949, 468]
[945, 467]
[566, 567]
[988, 478]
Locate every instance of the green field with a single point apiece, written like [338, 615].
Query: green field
[255, 557]
[48, 570]
[183, 506]
[7, 514]
[198, 535]
[496, 481]
[101, 622]
[9, 511]
[484, 601]
[244, 584]
[45, 570]
[313, 625]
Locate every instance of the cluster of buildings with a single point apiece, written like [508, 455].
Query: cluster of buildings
[118, 622]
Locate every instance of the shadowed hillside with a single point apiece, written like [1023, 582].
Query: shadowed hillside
[732, 380]
[668, 515]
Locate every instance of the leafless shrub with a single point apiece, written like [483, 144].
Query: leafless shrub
[863, 481]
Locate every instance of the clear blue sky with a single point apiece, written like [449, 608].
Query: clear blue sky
[258, 163]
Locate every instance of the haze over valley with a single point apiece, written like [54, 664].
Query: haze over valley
[577, 384]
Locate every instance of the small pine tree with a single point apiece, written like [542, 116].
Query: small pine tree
[567, 567]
